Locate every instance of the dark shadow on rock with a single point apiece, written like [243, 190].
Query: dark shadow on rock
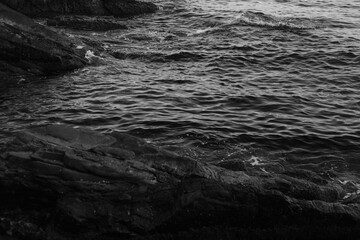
[59, 182]
[85, 23]
[27, 47]
[121, 8]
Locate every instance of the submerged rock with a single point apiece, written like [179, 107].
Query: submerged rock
[122, 8]
[27, 47]
[85, 23]
[59, 182]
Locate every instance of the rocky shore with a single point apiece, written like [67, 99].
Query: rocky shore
[63, 183]
[59, 182]
[27, 47]
[30, 48]
[120, 8]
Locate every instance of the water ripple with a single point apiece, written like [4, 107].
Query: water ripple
[216, 78]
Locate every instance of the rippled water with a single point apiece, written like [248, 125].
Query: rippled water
[279, 79]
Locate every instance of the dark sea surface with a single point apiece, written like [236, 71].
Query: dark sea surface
[216, 80]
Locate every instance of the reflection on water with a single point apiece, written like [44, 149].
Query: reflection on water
[215, 77]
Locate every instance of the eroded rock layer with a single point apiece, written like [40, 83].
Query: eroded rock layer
[122, 8]
[27, 47]
[58, 182]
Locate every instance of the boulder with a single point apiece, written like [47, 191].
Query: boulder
[60, 182]
[121, 8]
[27, 47]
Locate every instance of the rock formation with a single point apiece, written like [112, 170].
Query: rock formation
[27, 47]
[59, 182]
[121, 8]
[85, 23]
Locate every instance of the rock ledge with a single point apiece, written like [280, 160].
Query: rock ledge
[59, 182]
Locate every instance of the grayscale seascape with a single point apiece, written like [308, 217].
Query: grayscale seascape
[262, 82]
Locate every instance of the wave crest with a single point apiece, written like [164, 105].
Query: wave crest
[260, 19]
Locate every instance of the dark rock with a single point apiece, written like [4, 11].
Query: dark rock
[232, 164]
[85, 23]
[27, 47]
[58, 182]
[122, 8]
[128, 7]
[278, 233]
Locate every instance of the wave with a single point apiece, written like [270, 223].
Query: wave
[159, 56]
[312, 153]
[259, 19]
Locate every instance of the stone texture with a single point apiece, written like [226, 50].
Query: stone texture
[85, 23]
[27, 47]
[121, 8]
[59, 182]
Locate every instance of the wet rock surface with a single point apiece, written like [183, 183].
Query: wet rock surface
[121, 8]
[27, 47]
[85, 23]
[59, 182]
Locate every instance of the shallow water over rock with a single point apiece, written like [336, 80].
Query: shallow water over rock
[278, 80]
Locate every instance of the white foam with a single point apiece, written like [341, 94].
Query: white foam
[200, 31]
[356, 192]
[254, 161]
[343, 182]
[89, 55]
